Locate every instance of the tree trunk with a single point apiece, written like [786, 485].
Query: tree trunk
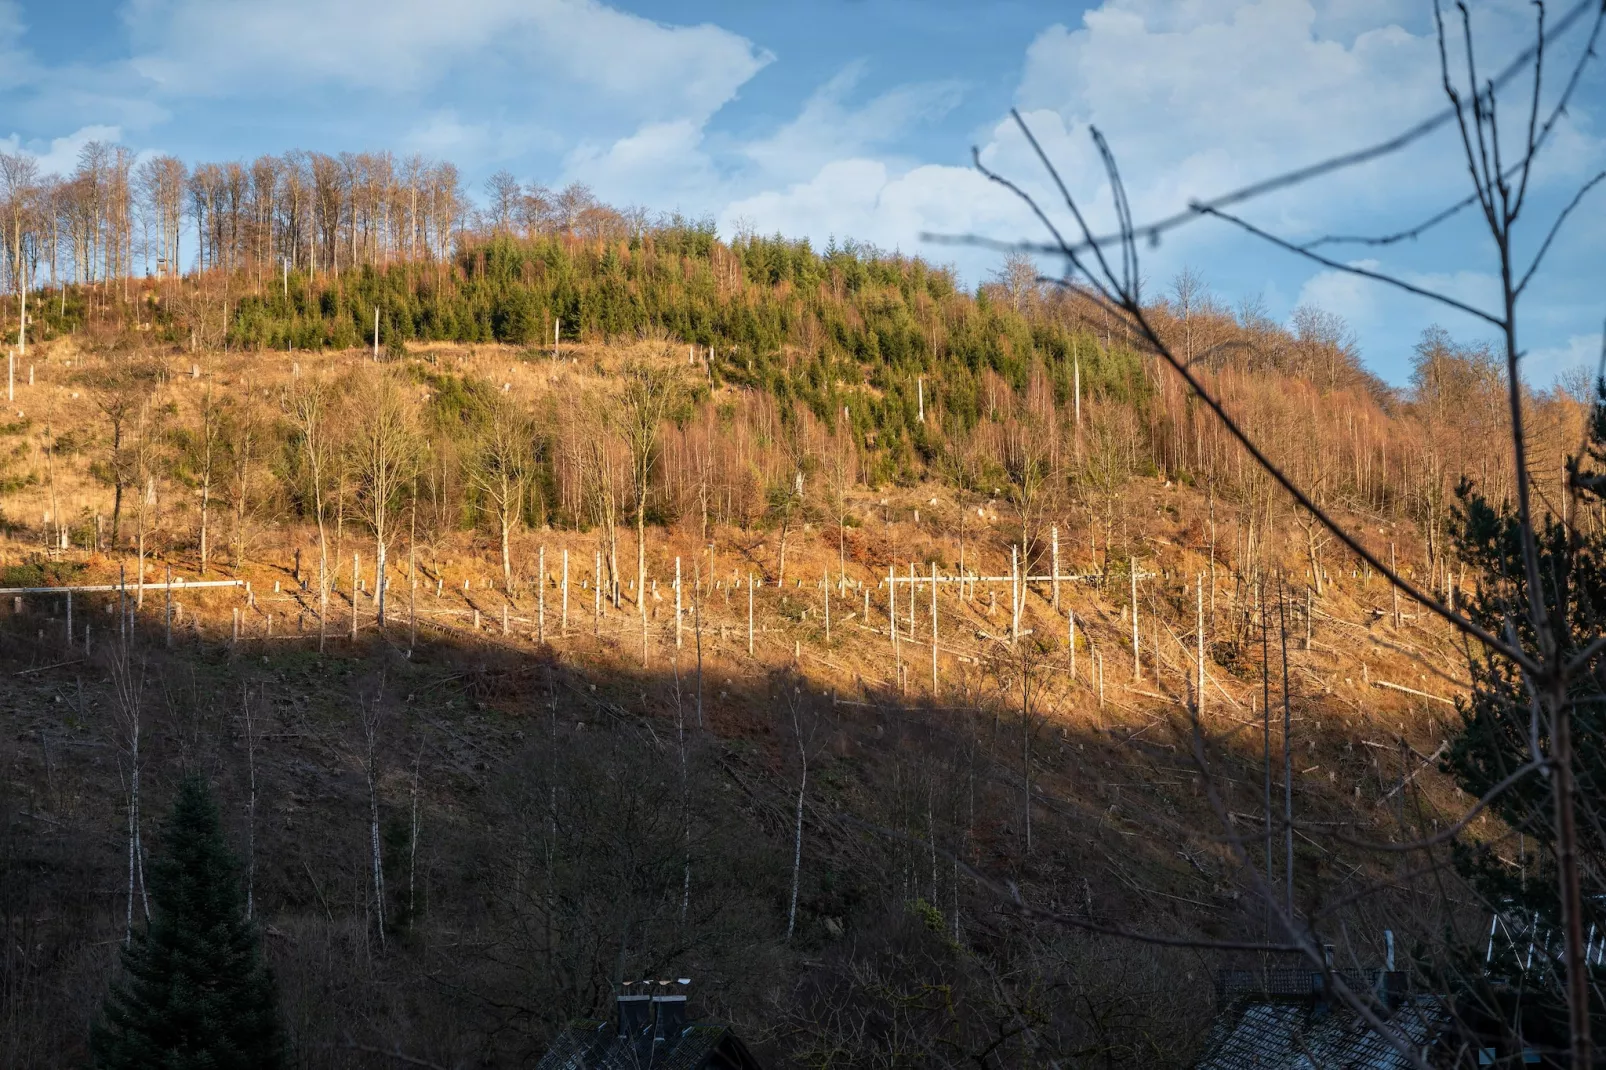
[206, 500]
[641, 556]
[507, 557]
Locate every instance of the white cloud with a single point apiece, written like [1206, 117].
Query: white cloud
[242, 47]
[661, 164]
[672, 164]
[1546, 365]
[444, 134]
[1199, 99]
[1196, 98]
[864, 200]
[1387, 321]
[829, 128]
[60, 155]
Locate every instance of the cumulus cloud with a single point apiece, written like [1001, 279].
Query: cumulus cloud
[829, 127]
[1195, 97]
[241, 47]
[865, 200]
[1549, 363]
[59, 156]
[445, 134]
[1387, 320]
[673, 163]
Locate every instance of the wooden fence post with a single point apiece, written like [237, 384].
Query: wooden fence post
[1394, 590]
[1054, 534]
[1137, 664]
[1014, 593]
[892, 611]
[1071, 630]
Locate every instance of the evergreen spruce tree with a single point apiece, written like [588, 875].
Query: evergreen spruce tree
[196, 992]
[1502, 728]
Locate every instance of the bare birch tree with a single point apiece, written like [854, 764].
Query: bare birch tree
[501, 471]
[649, 395]
[381, 452]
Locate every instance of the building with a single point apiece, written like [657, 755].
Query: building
[1286, 1019]
[649, 1032]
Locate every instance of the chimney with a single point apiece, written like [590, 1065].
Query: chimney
[669, 1018]
[634, 1014]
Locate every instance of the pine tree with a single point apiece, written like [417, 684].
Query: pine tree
[1502, 728]
[195, 990]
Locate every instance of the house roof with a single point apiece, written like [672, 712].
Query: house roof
[1287, 1034]
[595, 1045]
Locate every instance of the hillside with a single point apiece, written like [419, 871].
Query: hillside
[561, 805]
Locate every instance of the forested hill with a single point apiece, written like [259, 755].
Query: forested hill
[771, 313]
[990, 391]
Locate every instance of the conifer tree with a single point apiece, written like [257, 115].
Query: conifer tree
[195, 991]
[1505, 741]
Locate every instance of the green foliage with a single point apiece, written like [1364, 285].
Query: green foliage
[850, 328]
[195, 992]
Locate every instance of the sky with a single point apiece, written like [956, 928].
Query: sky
[858, 119]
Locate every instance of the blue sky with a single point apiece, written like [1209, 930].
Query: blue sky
[855, 118]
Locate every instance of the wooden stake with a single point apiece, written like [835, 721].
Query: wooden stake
[892, 611]
[1200, 637]
[825, 589]
[677, 604]
[1137, 664]
[1054, 536]
[749, 614]
[355, 574]
[1014, 593]
[1394, 590]
[933, 629]
[911, 600]
[565, 624]
[540, 600]
[1071, 636]
[169, 606]
[596, 596]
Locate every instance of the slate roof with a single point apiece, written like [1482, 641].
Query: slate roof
[1289, 1034]
[594, 1045]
